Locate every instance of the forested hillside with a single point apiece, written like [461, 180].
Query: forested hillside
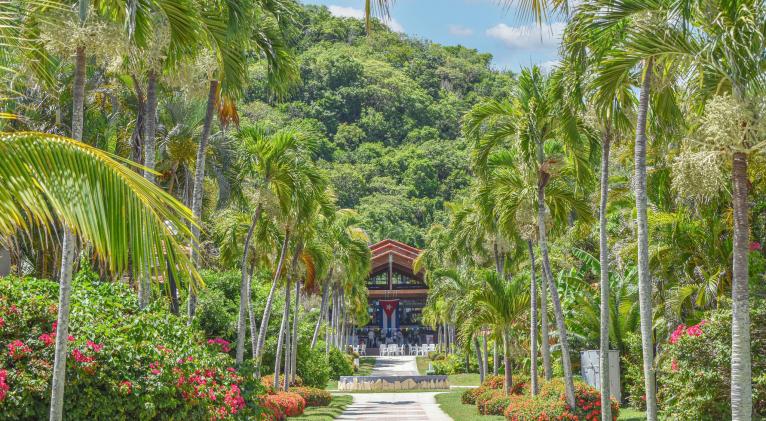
[388, 111]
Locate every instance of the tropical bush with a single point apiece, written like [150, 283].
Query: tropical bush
[550, 403]
[313, 396]
[695, 369]
[450, 364]
[312, 365]
[492, 402]
[268, 381]
[284, 404]
[494, 382]
[469, 395]
[147, 364]
[340, 364]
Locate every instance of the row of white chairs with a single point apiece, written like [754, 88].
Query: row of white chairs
[360, 349]
[394, 349]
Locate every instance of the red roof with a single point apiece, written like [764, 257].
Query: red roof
[402, 254]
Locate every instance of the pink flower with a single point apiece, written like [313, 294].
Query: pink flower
[80, 357]
[4, 388]
[674, 366]
[231, 369]
[18, 349]
[755, 246]
[155, 372]
[680, 330]
[70, 338]
[2, 322]
[13, 309]
[155, 368]
[55, 326]
[47, 338]
[94, 346]
[220, 341]
[234, 399]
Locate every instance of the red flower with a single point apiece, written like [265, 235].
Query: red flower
[47, 338]
[94, 346]
[18, 349]
[2, 322]
[70, 338]
[81, 358]
[674, 366]
[126, 387]
[220, 341]
[680, 330]
[755, 246]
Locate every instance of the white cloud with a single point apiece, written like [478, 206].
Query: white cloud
[460, 30]
[352, 12]
[529, 36]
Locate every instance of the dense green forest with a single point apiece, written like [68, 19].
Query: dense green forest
[388, 111]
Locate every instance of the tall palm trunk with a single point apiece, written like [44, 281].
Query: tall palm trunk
[244, 290]
[288, 342]
[67, 255]
[270, 301]
[150, 125]
[495, 359]
[508, 383]
[294, 341]
[199, 177]
[606, 409]
[322, 310]
[282, 335]
[533, 321]
[545, 339]
[557, 311]
[741, 370]
[251, 314]
[479, 359]
[485, 360]
[644, 277]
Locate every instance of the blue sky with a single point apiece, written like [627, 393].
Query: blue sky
[513, 40]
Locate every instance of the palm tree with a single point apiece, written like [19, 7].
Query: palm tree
[71, 173]
[276, 164]
[501, 304]
[537, 117]
[231, 29]
[381, 8]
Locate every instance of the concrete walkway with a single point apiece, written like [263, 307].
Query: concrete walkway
[415, 406]
[395, 366]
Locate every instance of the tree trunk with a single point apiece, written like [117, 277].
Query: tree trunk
[495, 359]
[479, 359]
[288, 344]
[270, 301]
[485, 360]
[508, 383]
[294, 341]
[282, 335]
[322, 309]
[244, 290]
[533, 322]
[58, 381]
[174, 305]
[557, 311]
[150, 125]
[644, 277]
[251, 314]
[606, 408]
[199, 177]
[545, 339]
[741, 370]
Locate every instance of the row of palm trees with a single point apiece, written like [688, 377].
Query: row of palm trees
[534, 156]
[99, 201]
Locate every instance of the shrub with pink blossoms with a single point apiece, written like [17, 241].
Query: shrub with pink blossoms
[225, 345]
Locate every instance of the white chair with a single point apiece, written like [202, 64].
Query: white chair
[363, 349]
[401, 350]
[413, 350]
[383, 350]
[355, 348]
[431, 347]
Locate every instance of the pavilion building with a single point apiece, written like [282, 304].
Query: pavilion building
[396, 297]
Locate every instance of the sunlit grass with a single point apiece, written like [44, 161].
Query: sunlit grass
[326, 413]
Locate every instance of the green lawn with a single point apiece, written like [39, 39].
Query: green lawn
[366, 364]
[450, 403]
[467, 379]
[630, 414]
[326, 413]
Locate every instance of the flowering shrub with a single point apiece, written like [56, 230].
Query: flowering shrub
[313, 396]
[551, 404]
[287, 403]
[494, 382]
[694, 370]
[469, 396]
[492, 402]
[145, 364]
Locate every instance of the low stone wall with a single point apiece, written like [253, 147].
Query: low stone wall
[383, 383]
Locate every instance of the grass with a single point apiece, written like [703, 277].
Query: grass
[451, 404]
[466, 379]
[630, 414]
[326, 413]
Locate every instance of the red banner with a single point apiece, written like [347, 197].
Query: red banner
[389, 306]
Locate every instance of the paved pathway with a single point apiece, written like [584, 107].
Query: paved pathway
[415, 406]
